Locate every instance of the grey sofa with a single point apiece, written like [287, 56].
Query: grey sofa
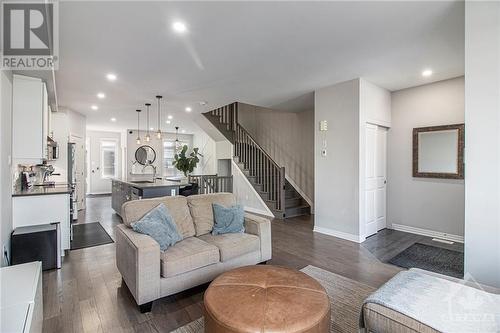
[200, 257]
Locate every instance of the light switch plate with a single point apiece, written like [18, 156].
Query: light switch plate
[323, 125]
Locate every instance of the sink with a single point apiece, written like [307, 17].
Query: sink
[142, 181]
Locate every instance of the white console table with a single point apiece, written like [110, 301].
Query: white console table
[21, 304]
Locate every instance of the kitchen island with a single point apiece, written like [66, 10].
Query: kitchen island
[124, 190]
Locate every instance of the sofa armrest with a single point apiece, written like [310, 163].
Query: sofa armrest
[260, 226]
[138, 260]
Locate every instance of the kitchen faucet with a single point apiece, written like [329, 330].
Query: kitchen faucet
[154, 170]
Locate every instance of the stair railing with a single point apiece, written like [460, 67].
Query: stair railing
[228, 115]
[269, 175]
[212, 183]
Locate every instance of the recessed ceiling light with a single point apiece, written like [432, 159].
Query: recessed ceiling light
[188, 109]
[168, 121]
[427, 72]
[111, 76]
[179, 27]
[101, 95]
[170, 117]
[113, 119]
[94, 107]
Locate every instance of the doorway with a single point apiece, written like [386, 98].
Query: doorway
[103, 163]
[375, 178]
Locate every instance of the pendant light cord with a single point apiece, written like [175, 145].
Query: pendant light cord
[147, 117]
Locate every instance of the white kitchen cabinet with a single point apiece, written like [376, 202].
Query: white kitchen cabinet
[21, 306]
[45, 120]
[43, 209]
[30, 119]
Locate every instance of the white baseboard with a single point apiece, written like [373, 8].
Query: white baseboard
[429, 233]
[257, 211]
[339, 234]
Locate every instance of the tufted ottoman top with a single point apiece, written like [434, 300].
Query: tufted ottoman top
[266, 299]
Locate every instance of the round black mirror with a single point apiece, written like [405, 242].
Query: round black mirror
[145, 155]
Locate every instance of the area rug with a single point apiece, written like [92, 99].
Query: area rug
[431, 258]
[346, 298]
[88, 235]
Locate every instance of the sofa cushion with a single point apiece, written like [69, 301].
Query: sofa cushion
[187, 255]
[201, 209]
[228, 219]
[158, 224]
[132, 211]
[233, 245]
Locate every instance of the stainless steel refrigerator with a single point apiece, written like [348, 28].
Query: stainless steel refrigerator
[72, 181]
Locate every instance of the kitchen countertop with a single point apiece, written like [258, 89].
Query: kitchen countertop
[43, 190]
[146, 185]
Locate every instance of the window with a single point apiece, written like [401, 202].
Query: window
[168, 157]
[108, 158]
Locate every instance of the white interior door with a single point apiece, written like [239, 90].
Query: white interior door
[375, 178]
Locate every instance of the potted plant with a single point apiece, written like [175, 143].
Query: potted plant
[186, 163]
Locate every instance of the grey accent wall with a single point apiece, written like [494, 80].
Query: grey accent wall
[288, 137]
[336, 183]
[433, 204]
[5, 165]
[482, 158]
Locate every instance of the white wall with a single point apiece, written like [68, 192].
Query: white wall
[246, 194]
[426, 203]
[5, 162]
[224, 150]
[482, 158]
[336, 181]
[207, 148]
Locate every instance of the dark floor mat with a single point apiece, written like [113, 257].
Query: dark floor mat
[88, 235]
[431, 258]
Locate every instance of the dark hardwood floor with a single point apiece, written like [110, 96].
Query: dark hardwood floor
[388, 243]
[86, 294]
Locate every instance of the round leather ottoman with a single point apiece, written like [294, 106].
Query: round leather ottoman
[266, 299]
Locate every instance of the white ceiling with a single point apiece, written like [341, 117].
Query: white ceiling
[263, 53]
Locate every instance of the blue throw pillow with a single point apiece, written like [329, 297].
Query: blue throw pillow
[159, 224]
[228, 220]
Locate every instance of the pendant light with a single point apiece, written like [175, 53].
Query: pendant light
[138, 140]
[148, 138]
[158, 133]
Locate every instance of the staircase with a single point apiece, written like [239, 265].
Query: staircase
[267, 177]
